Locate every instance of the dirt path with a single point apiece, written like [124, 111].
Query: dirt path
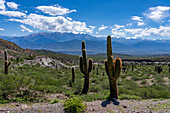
[121, 106]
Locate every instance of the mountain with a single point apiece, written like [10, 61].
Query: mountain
[71, 44]
[13, 49]
[47, 37]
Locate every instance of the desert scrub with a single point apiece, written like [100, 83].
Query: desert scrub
[54, 101]
[74, 105]
[129, 97]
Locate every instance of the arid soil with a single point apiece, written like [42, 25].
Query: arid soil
[120, 106]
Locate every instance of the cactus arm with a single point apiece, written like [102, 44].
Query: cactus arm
[109, 46]
[85, 61]
[81, 65]
[90, 65]
[106, 67]
[73, 74]
[5, 54]
[117, 66]
[9, 63]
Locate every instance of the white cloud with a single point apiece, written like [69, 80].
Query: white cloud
[118, 26]
[163, 31]
[92, 28]
[1, 29]
[25, 28]
[102, 28]
[69, 18]
[133, 31]
[140, 23]
[54, 24]
[54, 10]
[158, 13]
[13, 13]
[2, 5]
[137, 18]
[118, 33]
[129, 24]
[12, 5]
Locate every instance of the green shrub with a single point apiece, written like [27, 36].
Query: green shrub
[143, 82]
[74, 105]
[129, 97]
[54, 101]
[136, 78]
[91, 97]
[94, 88]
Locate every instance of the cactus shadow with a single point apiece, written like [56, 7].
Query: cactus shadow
[105, 103]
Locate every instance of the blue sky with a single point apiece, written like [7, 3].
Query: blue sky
[148, 19]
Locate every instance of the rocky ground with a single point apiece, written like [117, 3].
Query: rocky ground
[120, 106]
[44, 61]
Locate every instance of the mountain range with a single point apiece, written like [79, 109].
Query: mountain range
[71, 44]
[13, 50]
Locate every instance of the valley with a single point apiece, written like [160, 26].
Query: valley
[41, 80]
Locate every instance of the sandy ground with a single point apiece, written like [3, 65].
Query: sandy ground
[120, 106]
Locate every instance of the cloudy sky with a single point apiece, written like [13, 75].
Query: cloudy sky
[148, 19]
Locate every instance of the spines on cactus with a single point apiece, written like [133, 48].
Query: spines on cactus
[113, 69]
[85, 68]
[7, 63]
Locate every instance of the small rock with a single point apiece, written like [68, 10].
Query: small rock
[17, 105]
[124, 106]
[24, 106]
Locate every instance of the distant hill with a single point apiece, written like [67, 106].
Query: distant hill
[70, 43]
[13, 49]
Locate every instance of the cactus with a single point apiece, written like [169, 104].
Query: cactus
[113, 69]
[97, 71]
[7, 63]
[133, 67]
[159, 69]
[169, 65]
[93, 67]
[85, 68]
[73, 74]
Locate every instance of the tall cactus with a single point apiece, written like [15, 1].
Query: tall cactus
[85, 68]
[113, 68]
[73, 74]
[7, 63]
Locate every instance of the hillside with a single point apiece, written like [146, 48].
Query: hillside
[13, 50]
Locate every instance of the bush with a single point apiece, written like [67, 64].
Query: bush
[129, 97]
[54, 101]
[74, 105]
[91, 97]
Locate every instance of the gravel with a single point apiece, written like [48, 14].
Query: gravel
[120, 106]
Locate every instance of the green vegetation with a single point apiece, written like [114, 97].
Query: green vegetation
[74, 105]
[30, 83]
[54, 101]
[129, 97]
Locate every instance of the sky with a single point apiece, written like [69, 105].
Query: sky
[130, 19]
